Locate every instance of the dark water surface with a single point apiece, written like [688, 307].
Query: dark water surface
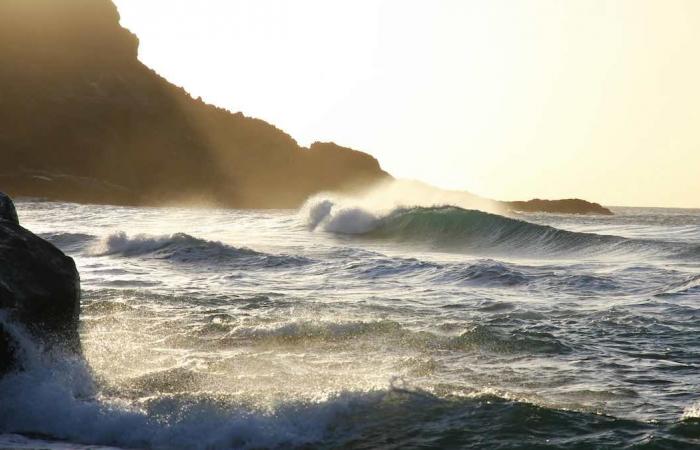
[339, 327]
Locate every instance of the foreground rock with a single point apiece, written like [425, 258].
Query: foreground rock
[39, 289]
[568, 206]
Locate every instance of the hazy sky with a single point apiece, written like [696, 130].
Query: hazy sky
[507, 99]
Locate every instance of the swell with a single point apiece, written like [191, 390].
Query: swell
[69, 242]
[183, 248]
[487, 273]
[455, 229]
[479, 338]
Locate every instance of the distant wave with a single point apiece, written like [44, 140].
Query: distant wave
[69, 242]
[183, 248]
[455, 229]
[489, 273]
[485, 274]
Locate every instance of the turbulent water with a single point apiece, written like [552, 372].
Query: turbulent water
[337, 326]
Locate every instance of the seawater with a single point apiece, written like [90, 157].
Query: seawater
[342, 327]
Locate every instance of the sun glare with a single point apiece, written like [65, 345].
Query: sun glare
[509, 100]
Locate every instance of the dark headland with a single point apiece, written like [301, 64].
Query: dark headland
[567, 206]
[82, 119]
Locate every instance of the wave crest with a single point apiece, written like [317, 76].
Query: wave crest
[181, 247]
[329, 216]
[450, 227]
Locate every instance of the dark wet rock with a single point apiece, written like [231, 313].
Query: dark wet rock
[566, 206]
[39, 289]
[7, 351]
[7, 209]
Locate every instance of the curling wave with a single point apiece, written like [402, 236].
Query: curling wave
[456, 229]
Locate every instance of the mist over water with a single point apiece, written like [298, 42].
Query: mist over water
[368, 322]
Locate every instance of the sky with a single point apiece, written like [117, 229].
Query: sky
[508, 99]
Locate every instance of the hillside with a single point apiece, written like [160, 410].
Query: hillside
[82, 119]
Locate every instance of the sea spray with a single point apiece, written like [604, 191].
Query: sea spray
[564, 341]
[336, 218]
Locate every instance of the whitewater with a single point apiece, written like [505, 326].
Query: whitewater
[350, 325]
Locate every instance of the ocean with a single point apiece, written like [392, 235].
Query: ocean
[344, 327]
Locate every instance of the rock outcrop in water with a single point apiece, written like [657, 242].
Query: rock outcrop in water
[81, 119]
[568, 206]
[39, 289]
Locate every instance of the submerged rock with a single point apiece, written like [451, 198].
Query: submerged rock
[7, 209]
[39, 289]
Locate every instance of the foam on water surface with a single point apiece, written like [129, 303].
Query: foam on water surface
[365, 325]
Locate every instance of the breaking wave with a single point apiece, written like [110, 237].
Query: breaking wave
[57, 397]
[183, 248]
[455, 229]
[362, 341]
[59, 401]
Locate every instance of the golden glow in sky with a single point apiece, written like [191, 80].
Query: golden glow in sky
[506, 99]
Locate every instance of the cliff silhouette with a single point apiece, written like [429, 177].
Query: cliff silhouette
[81, 119]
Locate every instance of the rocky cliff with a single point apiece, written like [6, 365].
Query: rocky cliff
[81, 119]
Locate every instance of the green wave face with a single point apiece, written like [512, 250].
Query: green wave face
[461, 229]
